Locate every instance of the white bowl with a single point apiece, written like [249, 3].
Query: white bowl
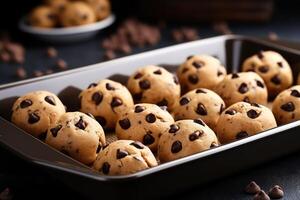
[66, 35]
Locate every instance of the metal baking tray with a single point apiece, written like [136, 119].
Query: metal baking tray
[168, 178]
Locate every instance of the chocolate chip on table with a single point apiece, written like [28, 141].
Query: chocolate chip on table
[252, 188]
[61, 64]
[184, 70]
[234, 75]
[125, 123]
[5, 57]
[97, 98]
[50, 100]
[195, 135]
[295, 93]
[109, 86]
[198, 64]
[157, 72]
[199, 121]
[25, 103]
[241, 135]
[222, 108]
[38, 73]
[201, 110]
[177, 35]
[259, 84]
[276, 80]
[51, 52]
[105, 168]
[261, 195]
[121, 153]
[200, 91]
[230, 112]
[260, 55]
[138, 75]
[276, 192]
[252, 114]
[150, 118]
[6, 194]
[92, 85]
[163, 102]
[144, 84]
[81, 124]
[184, 101]
[173, 128]
[137, 145]
[101, 120]
[33, 118]
[116, 102]
[243, 88]
[288, 107]
[139, 109]
[176, 147]
[193, 78]
[55, 130]
[263, 69]
[109, 55]
[273, 36]
[21, 73]
[148, 139]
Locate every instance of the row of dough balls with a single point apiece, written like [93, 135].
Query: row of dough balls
[54, 13]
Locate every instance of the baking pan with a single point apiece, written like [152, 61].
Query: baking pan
[168, 178]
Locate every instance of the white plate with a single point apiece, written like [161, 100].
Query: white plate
[69, 34]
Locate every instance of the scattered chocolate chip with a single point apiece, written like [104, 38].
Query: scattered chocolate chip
[252, 114]
[92, 85]
[234, 75]
[195, 135]
[109, 55]
[230, 112]
[97, 98]
[222, 108]
[276, 80]
[81, 124]
[288, 107]
[184, 101]
[101, 120]
[137, 96]
[49, 71]
[157, 72]
[260, 55]
[125, 123]
[295, 93]
[175, 79]
[173, 128]
[198, 64]
[137, 145]
[219, 73]
[105, 168]
[51, 52]
[243, 88]
[213, 145]
[109, 86]
[90, 115]
[138, 75]
[255, 105]
[148, 139]
[37, 73]
[241, 135]
[116, 102]
[280, 64]
[61, 64]
[55, 130]
[276, 192]
[201, 110]
[222, 28]
[176, 147]
[189, 57]
[263, 69]
[199, 121]
[259, 84]
[121, 154]
[150, 118]
[144, 84]
[21, 72]
[163, 102]
[98, 148]
[261, 195]
[184, 70]
[193, 78]
[139, 109]
[200, 91]
[25, 103]
[50, 100]
[273, 36]
[33, 118]
[252, 188]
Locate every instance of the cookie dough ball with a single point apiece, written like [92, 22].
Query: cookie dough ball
[106, 100]
[101, 8]
[78, 135]
[43, 16]
[144, 123]
[286, 106]
[184, 138]
[76, 14]
[200, 103]
[124, 157]
[244, 86]
[57, 5]
[243, 119]
[153, 84]
[200, 71]
[35, 111]
[273, 68]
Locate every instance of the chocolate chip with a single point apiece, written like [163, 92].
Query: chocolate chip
[55, 130]
[144, 84]
[219, 73]
[193, 78]
[276, 80]
[81, 124]
[163, 102]
[148, 139]
[121, 154]
[173, 128]
[263, 69]
[260, 55]
[51, 52]
[199, 121]
[61, 64]
[243, 88]
[189, 57]
[295, 93]
[6, 194]
[21, 73]
[33, 118]
[116, 102]
[222, 108]
[198, 64]
[288, 107]
[230, 112]
[92, 85]
[261, 195]
[201, 110]
[125, 123]
[234, 75]
[109, 86]
[175, 79]
[280, 64]
[259, 84]
[252, 114]
[137, 96]
[105, 168]
[276, 192]
[195, 135]
[25, 103]
[184, 101]
[97, 98]
[157, 72]
[37, 73]
[137, 145]
[255, 105]
[200, 91]
[50, 100]
[252, 188]
[150, 118]
[101, 120]
[184, 70]
[213, 145]
[138, 75]
[139, 109]
[176, 147]
[98, 148]
[109, 55]
[246, 99]
[241, 135]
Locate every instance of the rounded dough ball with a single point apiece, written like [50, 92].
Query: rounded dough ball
[57, 5]
[184, 138]
[35, 111]
[76, 14]
[273, 68]
[106, 100]
[153, 84]
[200, 103]
[144, 123]
[101, 8]
[286, 106]
[200, 71]
[77, 135]
[43, 17]
[242, 120]
[244, 86]
[124, 157]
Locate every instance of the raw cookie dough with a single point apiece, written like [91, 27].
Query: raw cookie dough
[273, 68]
[243, 119]
[184, 138]
[200, 103]
[106, 100]
[35, 111]
[200, 71]
[78, 135]
[124, 157]
[101, 8]
[57, 5]
[43, 16]
[76, 14]
[244, 86]
[153, 84]
[144, 123]
[286, 106]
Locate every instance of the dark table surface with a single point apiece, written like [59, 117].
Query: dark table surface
[29, 182]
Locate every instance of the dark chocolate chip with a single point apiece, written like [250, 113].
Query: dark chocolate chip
[230, 112]
[259, 84]
[92, 85]
[121, 154]
[139, 109]
[252, 114]
[246, 99]
[55, 130]
[280, 64]
[109, 86]
[116, 102]
[243, 88]
[200, 91]
[261, 195]
[219, 73]
[138, 75]
[137, 145]
[252, 188]
[150, 118]
[222, 108]
[295, 93]
[105, 168]
[148, 139]
[198, 64]
[195, 135]
[175, 79]
[163, 102]
[276, 192]
[184, 70]
[255, 105]
[25, 103]
[33, 118]
[157, 72]
[189, 57]
[173, 128]
[51, 52]
[98, 148]
[176, 147]
[61, 64]
[144, 84]
[260, 55]
[138, 96]
[213, 145]
[101, 120]
[97, 98]
[276, 80]
[21, 72]
[201, 110]
[50, 100]
[199, 121]
[234, 75]
[184, 101]
[81, 124]
[263, 69]
[193, 78]
[241, 135]
[288, 107]
[125, 123]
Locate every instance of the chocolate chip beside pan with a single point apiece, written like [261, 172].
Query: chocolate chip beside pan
[261, 195]
[252, 188]
[276, 192]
